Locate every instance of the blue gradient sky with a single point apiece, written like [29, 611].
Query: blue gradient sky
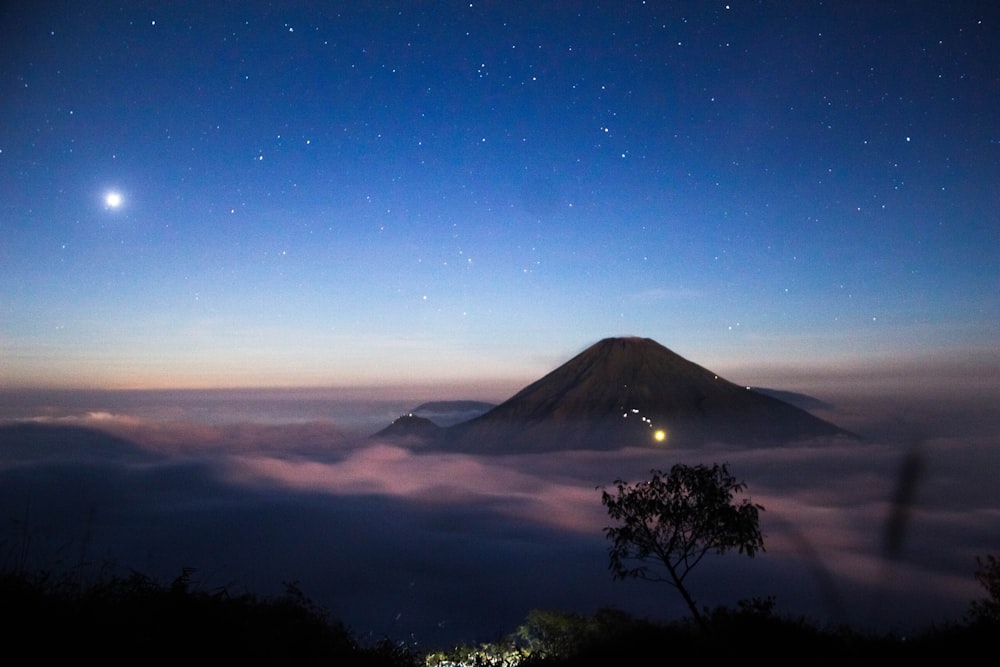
[454, 192]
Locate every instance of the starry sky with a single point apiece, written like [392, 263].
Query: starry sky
[389, 193]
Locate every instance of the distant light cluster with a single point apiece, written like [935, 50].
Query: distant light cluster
[659, 435]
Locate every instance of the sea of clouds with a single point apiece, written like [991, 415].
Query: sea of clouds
[432, 548]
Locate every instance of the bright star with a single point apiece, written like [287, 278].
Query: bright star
[113, 199]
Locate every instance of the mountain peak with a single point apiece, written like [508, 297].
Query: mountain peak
[410, 426]
[632, 391]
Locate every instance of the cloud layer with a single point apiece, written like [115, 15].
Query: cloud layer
[442, 547]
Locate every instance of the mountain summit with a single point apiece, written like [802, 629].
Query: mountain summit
[628, 392]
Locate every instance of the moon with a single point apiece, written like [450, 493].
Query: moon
[113, 199]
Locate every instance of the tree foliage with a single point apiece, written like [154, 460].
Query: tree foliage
[671, 521]
[987, 610]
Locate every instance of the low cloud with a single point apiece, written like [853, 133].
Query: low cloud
[433, 480]
[447, 547]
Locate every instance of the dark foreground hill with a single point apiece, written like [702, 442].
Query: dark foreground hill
[130, 619]
[632, 392]
[125, 620]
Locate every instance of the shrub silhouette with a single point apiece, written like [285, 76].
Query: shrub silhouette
[133, 618]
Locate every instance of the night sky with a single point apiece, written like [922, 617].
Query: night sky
[292, 222]
[265, 194]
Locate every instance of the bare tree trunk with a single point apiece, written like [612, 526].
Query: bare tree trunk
[699, 619]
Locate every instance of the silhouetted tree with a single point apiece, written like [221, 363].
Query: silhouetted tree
[987, 610]
[674, 519]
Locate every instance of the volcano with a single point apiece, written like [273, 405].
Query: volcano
[633, 392]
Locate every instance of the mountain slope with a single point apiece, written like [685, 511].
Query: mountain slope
[622, 392]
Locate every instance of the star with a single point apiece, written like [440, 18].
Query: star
[113, 199]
